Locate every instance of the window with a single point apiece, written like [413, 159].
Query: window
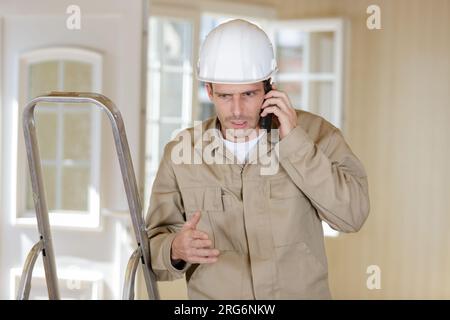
[170, 81]
[310, 62]
[68, 137]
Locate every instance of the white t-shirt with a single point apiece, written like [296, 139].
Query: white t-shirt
[241, 149]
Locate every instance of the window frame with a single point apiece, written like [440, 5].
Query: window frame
[152, 115]
[64, 219]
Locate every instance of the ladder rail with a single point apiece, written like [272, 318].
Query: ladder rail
[23, 293]
[40, 200]
[128, 176]
[130, 275]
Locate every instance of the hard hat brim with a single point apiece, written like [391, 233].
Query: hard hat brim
[230, 81]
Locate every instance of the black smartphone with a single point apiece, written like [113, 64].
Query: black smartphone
[266, 122]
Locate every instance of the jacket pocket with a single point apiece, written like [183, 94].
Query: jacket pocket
[228, 223]
[221, 214]
[198, 199]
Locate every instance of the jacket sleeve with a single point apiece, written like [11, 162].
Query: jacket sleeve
[164, 218]
[333, 179]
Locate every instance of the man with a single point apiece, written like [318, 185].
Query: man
[236, 231]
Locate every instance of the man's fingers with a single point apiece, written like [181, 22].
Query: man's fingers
[201, 243]
[203, 260]
[192, 222]
[271, 101]
[205, 253]
[275, 110]
[197, 234]
[280, 95]
[276, 101]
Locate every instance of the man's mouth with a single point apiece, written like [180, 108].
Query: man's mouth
[239, 124]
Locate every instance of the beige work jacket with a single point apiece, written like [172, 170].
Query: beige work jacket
[264, 216]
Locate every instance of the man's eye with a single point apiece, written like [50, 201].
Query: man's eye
[223, 96]
[249, 94]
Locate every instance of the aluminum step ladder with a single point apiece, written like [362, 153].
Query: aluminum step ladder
[45, 245]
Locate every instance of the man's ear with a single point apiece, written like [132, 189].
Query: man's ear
[209, 89]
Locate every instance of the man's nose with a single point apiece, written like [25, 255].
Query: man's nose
[237, 106]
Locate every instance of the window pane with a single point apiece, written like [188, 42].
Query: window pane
[46, 128]
[290, 50]
[77, 135]
[77, 76]
[75, 188]
[43, 78]
[166, 132]
[65, 132]
[321, 51]
[321, 99]
[294, 91]
[169, 90]
[49, 177]
[177, 40]
[171, 41]
[171, 94]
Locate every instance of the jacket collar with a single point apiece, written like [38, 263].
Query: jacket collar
[209, 136]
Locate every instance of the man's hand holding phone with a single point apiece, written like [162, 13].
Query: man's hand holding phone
[278, 103]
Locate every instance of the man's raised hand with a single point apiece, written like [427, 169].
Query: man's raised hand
[192, 245]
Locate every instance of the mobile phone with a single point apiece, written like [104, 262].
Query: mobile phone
[266, 122]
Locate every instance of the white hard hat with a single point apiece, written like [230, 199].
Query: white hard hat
[236, 52]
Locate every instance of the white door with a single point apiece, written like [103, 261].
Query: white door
[45, 49]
